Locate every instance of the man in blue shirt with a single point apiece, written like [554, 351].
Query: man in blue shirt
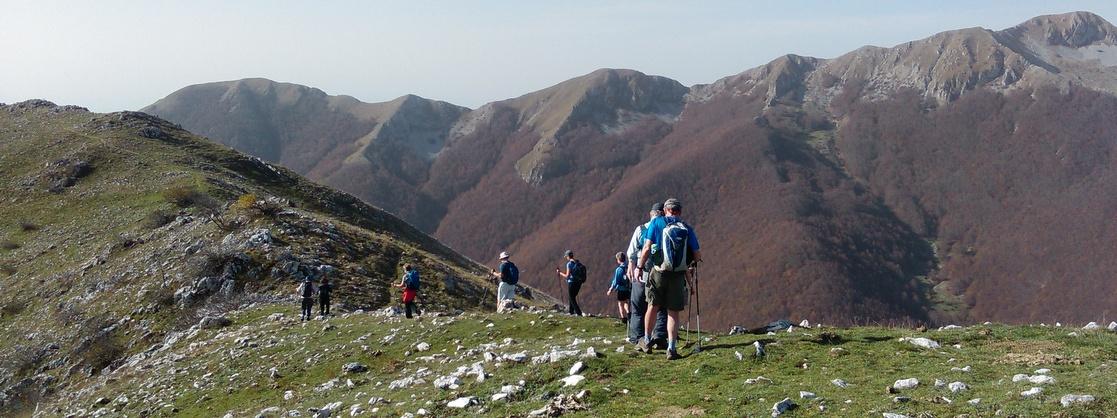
[666, 288]
[638, 304]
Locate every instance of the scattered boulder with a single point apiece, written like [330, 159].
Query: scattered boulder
[1032, 393]
[573, 380]
[462, 402]
[577, 368]
[922, 342]
[447, 382]
[906, 384]
[759, 348]
[807, 395]
[956, 387]
[354, 367]
[1112, 326]
[974, 401]
[1092, 326]
[901, 399]
[892, 415]
[214, 322]
[737, 329]
[422, 347]
[783, 406]
[1070, 400]
[840, 383]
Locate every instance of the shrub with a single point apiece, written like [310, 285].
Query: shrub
[28, 226]
[245, 202]
[254, 207]
[8, 245]
[185, 196]
[159, 218]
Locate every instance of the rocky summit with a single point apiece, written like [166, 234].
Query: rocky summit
[961, 177]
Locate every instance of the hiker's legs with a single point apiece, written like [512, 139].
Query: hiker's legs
[636, 308]
[572, 294]
[407, 307]
[660, 330]
[308, 306]
[649, 319]
[672, 326]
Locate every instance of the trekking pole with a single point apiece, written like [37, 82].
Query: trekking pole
[697, 310]
[691, 298]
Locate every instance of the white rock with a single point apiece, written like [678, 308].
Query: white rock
[573, 380]
[1031, 393]
[1092, 326]
[422, 347]
[805, 324]
[840, 383]
[511, 389]
[783, 406]
[1073, 334]
[892, 415]
[740, 357]
[1112, 326]
[906, 383]
[939, 384]
[956, 387]
[447, 382]
[517, 357]
[500, 396]
[758, 379]
[1068, 400]
[421, 412]
[807, 395]
[577, 368]
[288, 395]
[590, 353]
[355, 410]
[961, 369]
[949, 327]
[1042, 371]
[1019, 377]
[974, 401]
[759, 348]
[1041, 380]
[462, 402]
[923, 342]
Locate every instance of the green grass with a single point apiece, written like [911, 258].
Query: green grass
[711, 382]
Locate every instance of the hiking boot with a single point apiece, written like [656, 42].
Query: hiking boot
[673, 355]
[642, 346]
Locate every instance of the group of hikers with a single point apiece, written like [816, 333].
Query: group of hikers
[653, 280]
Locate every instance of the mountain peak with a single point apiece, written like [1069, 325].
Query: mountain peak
[1075, 29]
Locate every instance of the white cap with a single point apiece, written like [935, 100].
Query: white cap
[504, 255]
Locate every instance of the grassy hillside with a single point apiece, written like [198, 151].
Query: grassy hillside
[118, 230]
[267, 364]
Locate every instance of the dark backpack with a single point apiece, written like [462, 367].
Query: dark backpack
[578, 273]
[412, 280]
[513, 275]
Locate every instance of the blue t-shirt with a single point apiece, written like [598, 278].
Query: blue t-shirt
[655, 232]
[620, 282]
[570, 271]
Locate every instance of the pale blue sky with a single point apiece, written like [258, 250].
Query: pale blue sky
[114, 55]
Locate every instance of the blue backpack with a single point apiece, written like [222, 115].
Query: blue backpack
[411, 280]
[675, 246]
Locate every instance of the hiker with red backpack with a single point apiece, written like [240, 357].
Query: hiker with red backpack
[669, 244]
[410, 286]
[575, 275]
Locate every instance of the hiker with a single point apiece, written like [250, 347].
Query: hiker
[575, 275]
[410, 286]
[621, 285]
[306, 292]
[507, 275]
[324, 296]
[638, 304]
[672, 240]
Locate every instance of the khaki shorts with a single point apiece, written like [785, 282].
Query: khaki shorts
[667, 289]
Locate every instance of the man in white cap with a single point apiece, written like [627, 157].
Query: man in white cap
[508, 275]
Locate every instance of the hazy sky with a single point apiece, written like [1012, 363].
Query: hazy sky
[112, 55]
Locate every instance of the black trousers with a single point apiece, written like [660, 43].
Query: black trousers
[409, 307]
[638, 305]
[572, 290]
[308, 306]
[324, 305]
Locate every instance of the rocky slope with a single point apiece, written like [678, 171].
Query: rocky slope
[267, 364]
[916, 182]
[122, 230]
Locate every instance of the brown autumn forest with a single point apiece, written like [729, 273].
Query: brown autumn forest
[850, 190]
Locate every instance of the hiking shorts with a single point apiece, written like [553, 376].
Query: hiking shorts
[409, 295]
[505, 292]
[667, 289]
[623, 295]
